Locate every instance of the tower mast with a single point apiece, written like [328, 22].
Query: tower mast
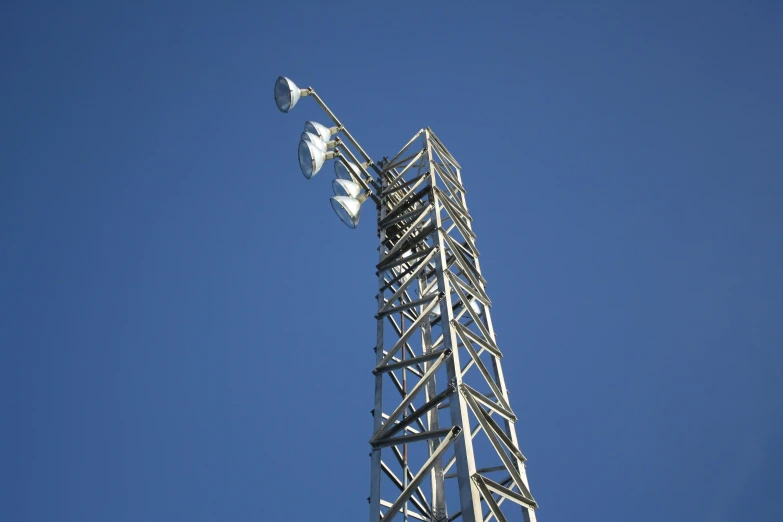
[444, 442]
[429, 278]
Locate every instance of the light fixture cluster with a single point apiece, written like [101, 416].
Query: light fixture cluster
[319, 144]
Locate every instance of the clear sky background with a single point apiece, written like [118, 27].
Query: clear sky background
[186, 327]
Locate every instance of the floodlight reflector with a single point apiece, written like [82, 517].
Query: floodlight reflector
[320, 130]
[311, 158]
[342, 187]
[287, 94]
[315, 140]
[347, 209]
[344, 169]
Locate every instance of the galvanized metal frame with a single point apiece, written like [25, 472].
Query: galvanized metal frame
[429, 274]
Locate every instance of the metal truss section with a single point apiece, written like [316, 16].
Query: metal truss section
[444, 443]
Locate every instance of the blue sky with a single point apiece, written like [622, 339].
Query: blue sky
[186, 328]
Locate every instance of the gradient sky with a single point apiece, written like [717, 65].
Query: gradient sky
[186, 327]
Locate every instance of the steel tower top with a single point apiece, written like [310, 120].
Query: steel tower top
[444, 442]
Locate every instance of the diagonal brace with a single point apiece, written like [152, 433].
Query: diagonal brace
[422, 474]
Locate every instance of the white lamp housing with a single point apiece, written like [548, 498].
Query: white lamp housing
[347, 208]
[344, 169]
[343, 187]
[317, 141]
[311, 158]
[287, 94]
[321, 130]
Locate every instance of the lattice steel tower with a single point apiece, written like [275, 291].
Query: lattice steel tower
[444, 443]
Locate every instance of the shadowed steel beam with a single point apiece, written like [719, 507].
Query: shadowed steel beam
[408, 362]
[408, 439]
[422, 474]
[421, 411]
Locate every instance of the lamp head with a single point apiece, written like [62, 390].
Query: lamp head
[320, 130]
[347, 209]
[287, 94]
[315, 140]
[342, 187]
[311, 158]
[344, 169]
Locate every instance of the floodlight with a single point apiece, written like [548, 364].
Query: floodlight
[344, 169]
[321, 130]
[343, 187]
[311, 158]
[287, 94]
[317, 141]
[348, 208]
